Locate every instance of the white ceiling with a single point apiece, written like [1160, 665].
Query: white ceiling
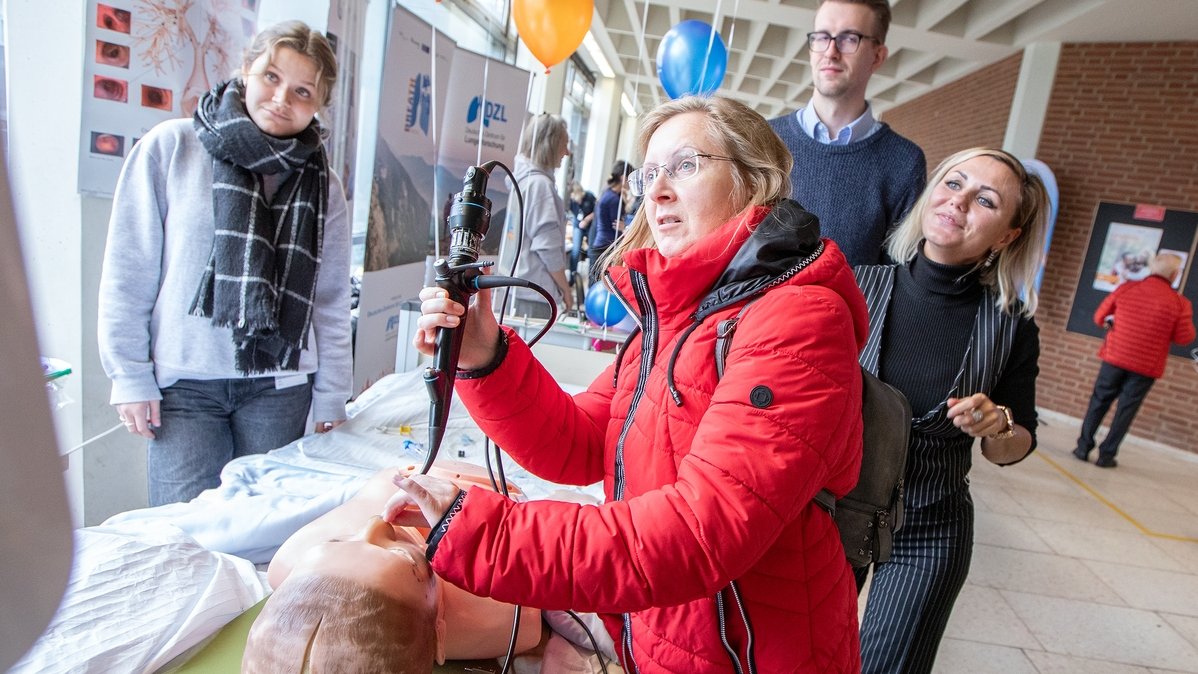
[932, 42]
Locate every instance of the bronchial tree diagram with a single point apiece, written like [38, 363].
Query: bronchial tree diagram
[170, 33]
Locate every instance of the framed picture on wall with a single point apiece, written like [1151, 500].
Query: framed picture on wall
[1123, 241]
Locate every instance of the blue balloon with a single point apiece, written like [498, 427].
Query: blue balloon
[602, 307]
[685, 65]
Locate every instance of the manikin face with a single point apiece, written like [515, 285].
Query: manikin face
[281, 93]
[381, 557]
[682, 212]
[970, 212]
[844, 76]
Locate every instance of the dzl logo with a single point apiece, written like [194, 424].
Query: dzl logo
[492, 111]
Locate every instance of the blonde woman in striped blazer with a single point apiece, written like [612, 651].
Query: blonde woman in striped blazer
[951, 327]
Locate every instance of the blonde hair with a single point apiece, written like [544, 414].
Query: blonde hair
[1014, 271]
[331, 624]
[299, 36]
[760, 172]
[542, 140]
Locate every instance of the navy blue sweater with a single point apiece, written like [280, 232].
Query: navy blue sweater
[858, 191]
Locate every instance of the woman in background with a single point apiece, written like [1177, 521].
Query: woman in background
[609, 217]
[543, 144]
[582, 214]
[949, 329]
[224, 298]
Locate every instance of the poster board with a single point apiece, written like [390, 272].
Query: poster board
[484, 115]
[416, 65]
[442, 109]
[147, 61]
[346, 34]
[1123, 240]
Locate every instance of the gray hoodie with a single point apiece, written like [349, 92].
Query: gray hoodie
[543, 249]
[159, 240]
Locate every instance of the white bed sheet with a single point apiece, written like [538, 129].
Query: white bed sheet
[137, 597]
[149, 584]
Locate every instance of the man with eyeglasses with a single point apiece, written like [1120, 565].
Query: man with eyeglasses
[856, 173]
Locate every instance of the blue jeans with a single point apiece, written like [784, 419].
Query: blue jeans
[580, 235]
[205, 424]
[1113, 382]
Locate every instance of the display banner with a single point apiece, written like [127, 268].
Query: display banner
[484, 113]
[147, 61]
[415, 73]
[346, 33]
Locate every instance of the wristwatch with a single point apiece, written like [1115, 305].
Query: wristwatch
[1010, 431]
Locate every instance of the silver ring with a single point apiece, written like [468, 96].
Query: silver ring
[977, 415]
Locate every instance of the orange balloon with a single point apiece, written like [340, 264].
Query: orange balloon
[552, 29]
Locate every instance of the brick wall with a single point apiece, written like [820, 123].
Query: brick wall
[969, 112]
[1122, 126]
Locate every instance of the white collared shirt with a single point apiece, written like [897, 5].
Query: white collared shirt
[859, 129]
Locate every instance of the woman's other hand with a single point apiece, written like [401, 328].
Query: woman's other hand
[976, 415]
[140, 417]
[421, 500]
[482, 330]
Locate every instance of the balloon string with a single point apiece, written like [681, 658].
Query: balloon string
[710, 41]
[732, 30]
[503, 240]
[436, 204]
[483, 111]
[640, 38]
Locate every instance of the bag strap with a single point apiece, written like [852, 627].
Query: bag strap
[724, 331]
[723, 337]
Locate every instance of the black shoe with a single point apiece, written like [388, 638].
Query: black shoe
[1081, 454]
[1104, 462]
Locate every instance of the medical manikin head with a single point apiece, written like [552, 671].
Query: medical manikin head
[366, 603]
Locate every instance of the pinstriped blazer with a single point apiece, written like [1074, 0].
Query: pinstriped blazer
[940, 454]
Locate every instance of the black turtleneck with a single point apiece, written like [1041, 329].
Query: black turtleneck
[930, 319]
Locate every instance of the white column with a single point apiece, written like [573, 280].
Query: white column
[1030, 104]
[626, 140]
[603, 132]
[546, 91]
[59, 237]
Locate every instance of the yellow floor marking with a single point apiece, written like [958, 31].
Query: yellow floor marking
[1093, 492]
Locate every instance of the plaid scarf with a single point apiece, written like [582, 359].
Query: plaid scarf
[261, 277]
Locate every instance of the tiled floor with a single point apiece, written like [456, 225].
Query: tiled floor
[1078, 568]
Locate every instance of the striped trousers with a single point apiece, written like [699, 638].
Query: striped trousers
[912, 594]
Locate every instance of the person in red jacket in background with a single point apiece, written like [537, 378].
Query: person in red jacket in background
[709, 555]
[1142, 318]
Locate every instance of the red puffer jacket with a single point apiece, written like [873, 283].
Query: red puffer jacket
[709, 481]
[1149, 314]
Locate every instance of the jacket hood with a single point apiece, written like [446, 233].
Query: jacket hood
[754, 251]
[782, 244]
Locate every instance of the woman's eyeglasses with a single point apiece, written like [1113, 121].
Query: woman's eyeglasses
[847, 42]
[683, 168]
